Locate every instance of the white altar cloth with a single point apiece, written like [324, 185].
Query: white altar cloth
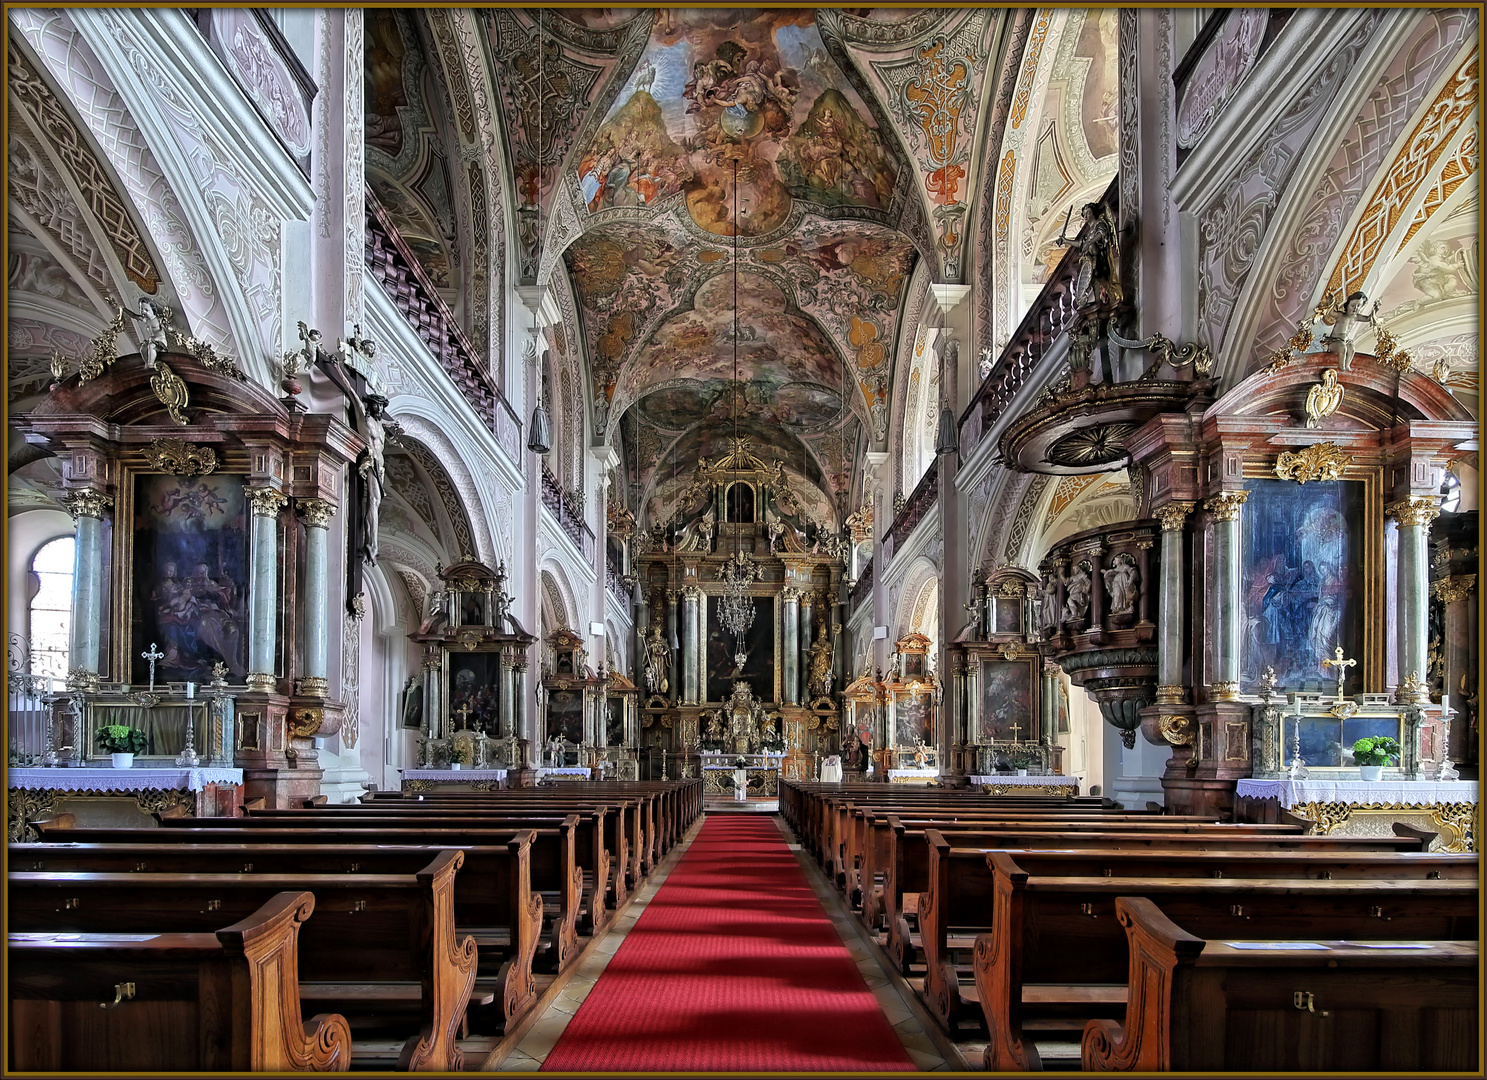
[1040, 781]
[904, 776]
[454, 774]
[1359, 792]
[121, 779]
[831, 770]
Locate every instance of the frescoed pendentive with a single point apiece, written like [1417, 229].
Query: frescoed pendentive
[190, 578]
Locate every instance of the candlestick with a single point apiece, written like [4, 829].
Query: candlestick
[187, 757]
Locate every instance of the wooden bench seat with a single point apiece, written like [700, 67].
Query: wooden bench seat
[368, 929]
[1061, 930]
[226, 1001]
[1215, 1005]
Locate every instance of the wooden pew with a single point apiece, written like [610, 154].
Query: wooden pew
[1209, 1006]
[223, 1001]
[595, 833]
[381, 944]
[1049, 952]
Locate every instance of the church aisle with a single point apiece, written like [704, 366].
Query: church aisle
[734, 966]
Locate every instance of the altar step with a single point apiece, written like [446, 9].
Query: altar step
[730, 805]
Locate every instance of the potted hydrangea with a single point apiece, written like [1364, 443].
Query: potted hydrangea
[1019, 760]
[122, 742]
[459, 756]
[1372, 753]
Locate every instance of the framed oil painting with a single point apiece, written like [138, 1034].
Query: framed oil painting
[1301, 580]
[758, 667]
[1006, 713]
[565, 716]
[614, 725]
[912, 721]
[190, 553]
[474, 685]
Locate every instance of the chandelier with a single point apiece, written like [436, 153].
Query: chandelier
[737, 607]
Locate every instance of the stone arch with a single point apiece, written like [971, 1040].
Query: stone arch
[438, 502]
[556, 600]
[423, 425]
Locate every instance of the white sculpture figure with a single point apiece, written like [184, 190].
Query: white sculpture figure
[1076, 594]
[151, 331]
[1350, 320]
[373, 469]
[1120, 583]
[740, 782]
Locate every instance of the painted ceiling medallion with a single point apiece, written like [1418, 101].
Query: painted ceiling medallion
[1098, 445]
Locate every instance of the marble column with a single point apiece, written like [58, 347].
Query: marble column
[508, 689]
[691, 652]
[519, 697]
[87, 506]
[790, 647]
[433, 698]
[263, 587]
[807, 627]
[1413, 515]
[316, 515]
[1170, 688]
[1227, 614]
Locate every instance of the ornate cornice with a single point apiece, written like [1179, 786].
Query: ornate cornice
[1414, 510]
[86, 502]
[265, 501]
[1225, 506]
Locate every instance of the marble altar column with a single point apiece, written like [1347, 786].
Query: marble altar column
[691, 642]
[508, 690]
[433, 696]
[86, 506]
[1414, 515]
[807, 614]
[790, 647]
[316, 515]
[263, 587]
[1227, 614]
[519, 699]
[1170, 687]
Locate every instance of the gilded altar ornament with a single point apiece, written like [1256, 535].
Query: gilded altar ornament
[181, 458]
[101, 353]
[1386, 351]
[1177, 730]
[304, 723]
[171, 391]
[1320, 461]
[1324, 399]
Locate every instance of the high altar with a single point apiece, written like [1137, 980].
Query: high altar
[739, 625]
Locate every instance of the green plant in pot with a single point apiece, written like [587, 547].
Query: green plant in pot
[1020, 760]
[459, 755]
[1372, 753]
[122, 742]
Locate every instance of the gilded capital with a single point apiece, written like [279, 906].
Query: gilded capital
[315, 513]
[692, 593]
[1173, 515]
[82, 681]
[789, 595]
[1448, 590]
[86, 502]
[266, 501]
[1225, 505]
[1414, 510]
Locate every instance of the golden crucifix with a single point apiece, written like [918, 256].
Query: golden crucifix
[463, 712]
[1342, 668]
[1015, 729]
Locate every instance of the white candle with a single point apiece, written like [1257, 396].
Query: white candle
[190, 690]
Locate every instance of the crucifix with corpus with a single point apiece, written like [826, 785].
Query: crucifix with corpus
[152, 654]
[1342, 668]
[463, 712]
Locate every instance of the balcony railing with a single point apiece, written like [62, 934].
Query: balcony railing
[1044, 323]
[613, 580]
[864, 587]
[398, 271]
[569, 517]
[917, 505]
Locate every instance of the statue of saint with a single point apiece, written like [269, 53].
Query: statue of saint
[1097, 282]
[657, 662]
[1120, 583]
[820, 682]
[372, 468]
[1076, 595]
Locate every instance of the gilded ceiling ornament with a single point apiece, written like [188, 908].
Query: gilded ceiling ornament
[1098, 445]
[1320, 461]
[1323, 399]
[171, 390]
[1225, 506]
[181, 458]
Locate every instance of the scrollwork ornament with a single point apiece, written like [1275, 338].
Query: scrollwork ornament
[181, 458]
[1320, 461]
[170, 388]
[86, 502]
[1177, 730]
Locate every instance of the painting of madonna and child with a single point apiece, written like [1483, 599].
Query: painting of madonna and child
[190, 578]
[1302, 578]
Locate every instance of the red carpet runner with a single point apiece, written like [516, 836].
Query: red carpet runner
[733, 966]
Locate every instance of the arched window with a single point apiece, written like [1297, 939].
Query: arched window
[51, 608]
[740, 503]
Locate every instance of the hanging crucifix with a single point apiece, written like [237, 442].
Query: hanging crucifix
[1342, 669]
